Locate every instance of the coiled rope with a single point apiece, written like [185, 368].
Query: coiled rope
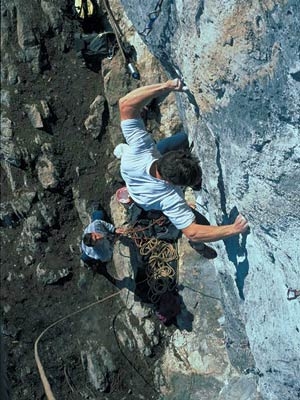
[161, 275]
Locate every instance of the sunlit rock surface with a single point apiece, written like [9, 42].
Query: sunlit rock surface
[240, 63]
[237, 335]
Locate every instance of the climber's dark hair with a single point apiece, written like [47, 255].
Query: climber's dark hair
[179, 167]
[87, 240]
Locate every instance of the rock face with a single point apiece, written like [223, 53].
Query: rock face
[237, 336]
[239, 63]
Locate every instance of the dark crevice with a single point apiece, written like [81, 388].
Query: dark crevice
[221, 185]
[296, 76]
[105, 120]
[198, 16]
[259, 147]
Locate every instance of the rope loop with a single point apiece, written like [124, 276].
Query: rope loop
[161, 275]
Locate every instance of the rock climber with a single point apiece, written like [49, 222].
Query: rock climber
[98, 238]
[154, 174]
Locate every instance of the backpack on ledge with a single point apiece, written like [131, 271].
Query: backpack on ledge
[95, 46]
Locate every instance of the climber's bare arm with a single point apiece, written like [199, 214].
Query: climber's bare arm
[207, 233]
[132, 104]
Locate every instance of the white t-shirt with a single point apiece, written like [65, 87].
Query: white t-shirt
[148, 192]
[104, 248]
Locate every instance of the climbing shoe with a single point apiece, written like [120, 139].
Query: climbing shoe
[205, 251]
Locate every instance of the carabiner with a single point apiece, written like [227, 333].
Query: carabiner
[292, 294]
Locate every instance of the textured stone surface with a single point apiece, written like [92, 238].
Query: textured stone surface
[240, 62]
[9, 152]
[93, 123]
[98, 363]
[242, 112]
[34, 116]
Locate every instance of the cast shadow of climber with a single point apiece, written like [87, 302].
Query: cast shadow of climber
[171, 310]
[137, 284]
[237, 253]
[101, 268]
[185, 319]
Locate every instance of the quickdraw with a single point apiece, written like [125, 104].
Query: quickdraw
[292, 294]
[152, 18]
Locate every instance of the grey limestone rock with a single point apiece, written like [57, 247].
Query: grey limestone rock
[10, 152]
[34, 116]
[47, 173]
[93, 123]
[243, 388]
[5, 98]
[241, 110]
[99, 365]
[50, 277]
[47, 169]
[13, 211]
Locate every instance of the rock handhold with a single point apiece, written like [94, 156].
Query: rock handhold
[93, 123]
[38, 114]
[48, 174]
[34, 116]
[9, 152]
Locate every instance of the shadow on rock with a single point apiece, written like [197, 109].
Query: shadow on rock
[237, 254]
[161, 294]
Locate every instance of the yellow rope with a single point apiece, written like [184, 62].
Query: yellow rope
[45, 382]
[160, 274]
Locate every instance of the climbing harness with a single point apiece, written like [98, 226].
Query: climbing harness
[131, 67]
[292, 294]
[152, 18]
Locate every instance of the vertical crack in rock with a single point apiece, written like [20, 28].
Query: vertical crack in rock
[199, 12]
[221, 185]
